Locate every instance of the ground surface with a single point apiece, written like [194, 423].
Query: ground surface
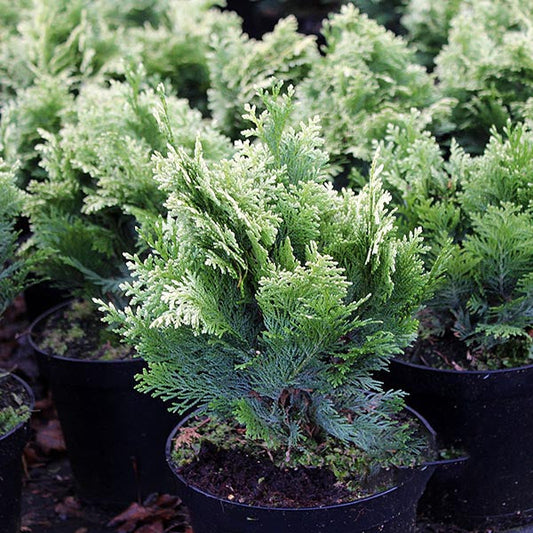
[49, 502]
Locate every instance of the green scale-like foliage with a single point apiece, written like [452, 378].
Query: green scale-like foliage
[79, 39]
[269, 298]
[238, 66]
[487, 300]
[175, 50]
[366, 79]
[491, 277]
[39, 107]
[487, 67]
[13, 270]
[484, 206]
[99, 180]
[422, 183]
[428, 23]
[172, 42]
[73, 38]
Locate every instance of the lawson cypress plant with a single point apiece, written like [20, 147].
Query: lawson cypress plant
[268, 300]
[97, 183]
[480, 210]
[367, 78]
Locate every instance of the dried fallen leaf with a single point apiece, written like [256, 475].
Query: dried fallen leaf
[156, 514]
[50, 437]
[68, 508]
[133, 512]
[156, 527]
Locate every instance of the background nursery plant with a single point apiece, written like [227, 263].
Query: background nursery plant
[487, 298]
[470, 371]
[14, 269]
[12, 279]
[16, 399]
[482, 205]
[366, 79]
[268, 300]
[486, 67]
[98, 181]
[60, 45]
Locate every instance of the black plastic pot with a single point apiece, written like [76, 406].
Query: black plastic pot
[489, 415]
[11, 445]
[115, 436]
[42, 296]
[391, 511]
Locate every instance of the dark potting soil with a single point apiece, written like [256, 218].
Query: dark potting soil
[245, 478]
[77, 331]
[445, 352]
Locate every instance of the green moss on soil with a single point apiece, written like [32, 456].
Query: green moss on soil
[355, 470]
[77, 331]
[14, 404]
[11, 417]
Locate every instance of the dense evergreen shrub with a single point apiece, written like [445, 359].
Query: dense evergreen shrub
[268, 299]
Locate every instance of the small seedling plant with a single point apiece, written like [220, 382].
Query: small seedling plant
[268, 300]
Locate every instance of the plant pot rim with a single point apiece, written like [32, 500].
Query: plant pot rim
[451, 371]
[401, 483]
[31, 405]
[51, 311]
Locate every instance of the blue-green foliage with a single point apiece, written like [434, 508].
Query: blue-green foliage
[13, 271]
[271, 299]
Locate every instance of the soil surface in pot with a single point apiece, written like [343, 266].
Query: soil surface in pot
[445, 352]
[449, 353]
[232, 475]
[77, 331]
[14, 404]
[217, 458]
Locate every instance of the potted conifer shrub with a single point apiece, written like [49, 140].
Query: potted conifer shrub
[471, 371]
[366, 78]
[266, 302]
[97, 188]
[16, 398]
[239, 65]
[485, 68]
